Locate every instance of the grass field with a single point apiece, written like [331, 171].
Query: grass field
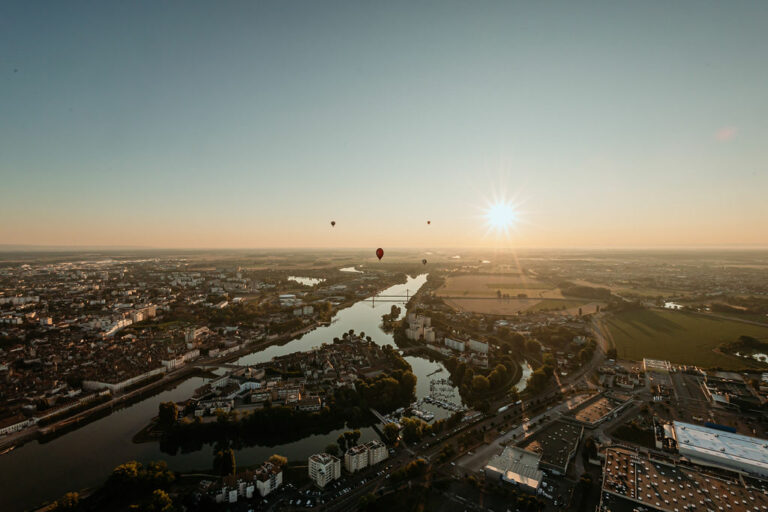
[547, 305]
[679, 337]
[486, 285]
[492, 306]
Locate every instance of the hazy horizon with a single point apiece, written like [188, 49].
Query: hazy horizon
[254, 125]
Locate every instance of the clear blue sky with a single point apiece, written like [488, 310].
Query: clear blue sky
[250, 124]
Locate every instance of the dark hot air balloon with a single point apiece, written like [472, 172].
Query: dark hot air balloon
[379, 253]
[429, 222]
[423, 262]
[333, 223]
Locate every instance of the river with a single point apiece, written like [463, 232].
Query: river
[38, 472]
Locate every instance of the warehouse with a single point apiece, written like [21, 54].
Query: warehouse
[516, 466]
[713, 447]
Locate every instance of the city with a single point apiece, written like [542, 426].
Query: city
[529, 405]
[433, 256]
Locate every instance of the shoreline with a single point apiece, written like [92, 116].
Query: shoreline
[83, 418]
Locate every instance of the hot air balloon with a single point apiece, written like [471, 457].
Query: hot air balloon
[423, 262]
[429, 222]
[333, 223]
[379, 253]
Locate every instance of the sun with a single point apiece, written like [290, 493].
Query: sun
[501, 216]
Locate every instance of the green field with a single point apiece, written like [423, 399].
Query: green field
[680, 337]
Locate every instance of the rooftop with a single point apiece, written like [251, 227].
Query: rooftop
[517, 465]
[710, 442]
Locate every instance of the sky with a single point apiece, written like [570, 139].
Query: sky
[254, 124]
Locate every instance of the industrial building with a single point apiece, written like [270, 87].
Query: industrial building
[633, 481]
[719, 448]
[516, 466]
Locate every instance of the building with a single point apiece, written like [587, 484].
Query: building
[478, 346]
[718, 448]
[309, 403]
[356, 458]
[324, 469]
[95, 385]
[15, 424]
[377, 452]
[268, 477]
[516, 466]
[656, 365]
[459, 346]
[639, 482]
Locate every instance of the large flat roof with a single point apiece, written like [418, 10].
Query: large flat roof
[711, 443]
[516, 465]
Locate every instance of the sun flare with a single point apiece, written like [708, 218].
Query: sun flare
[501, 216]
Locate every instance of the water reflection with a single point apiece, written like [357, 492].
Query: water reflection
[86, 456]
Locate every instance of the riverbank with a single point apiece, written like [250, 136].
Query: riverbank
[82, 418]
[88, 453]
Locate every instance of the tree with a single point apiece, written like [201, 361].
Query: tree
[168, 413]
[278, 460]
[126, 474]
[612, 353]
[160, 502]
[391, 433]
[413, 429]
[69, 501]
[351, 437]
[342, 442]
[332, 449]
[480, 384]
[532, 346]
[367, 502]
[224, 462]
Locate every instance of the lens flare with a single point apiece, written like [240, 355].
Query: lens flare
[501, 217]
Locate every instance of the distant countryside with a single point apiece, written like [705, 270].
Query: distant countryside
[680, 337]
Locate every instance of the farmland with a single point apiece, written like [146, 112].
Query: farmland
[478, 293]
[679, 337]
[491, 306]
[487, 285]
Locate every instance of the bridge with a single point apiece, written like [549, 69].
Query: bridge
[389, 298]
[381, 418]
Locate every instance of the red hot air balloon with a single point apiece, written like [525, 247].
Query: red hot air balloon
[429, 222]
[379, 253]
[333, 223]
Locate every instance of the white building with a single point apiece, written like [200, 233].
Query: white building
[656, 365]
[377, 452]
[95, 385]
[712, 447]
[356, 458]
[459, 346]
[324, 469]
[268, 477]
[179, 361]
[13, 425]
[478, 346]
